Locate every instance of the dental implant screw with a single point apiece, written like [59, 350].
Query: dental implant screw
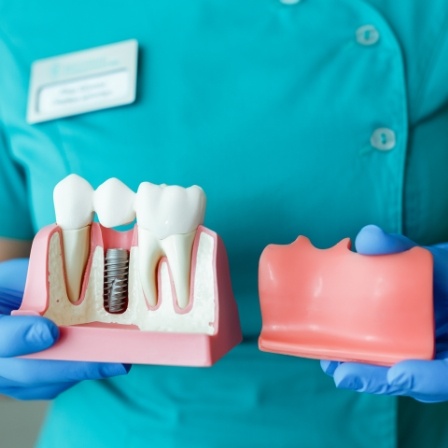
[116, 269]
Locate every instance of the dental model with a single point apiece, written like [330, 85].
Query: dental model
[159, 293]
[339, 305]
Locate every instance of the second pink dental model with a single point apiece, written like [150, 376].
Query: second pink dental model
[159, 293]
[339, 305]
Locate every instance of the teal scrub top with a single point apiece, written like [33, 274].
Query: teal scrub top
[296, 117]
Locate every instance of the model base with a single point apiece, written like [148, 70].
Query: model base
[197, 335]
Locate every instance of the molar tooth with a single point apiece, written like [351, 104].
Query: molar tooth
[149, 255]
[177, 249]
[168, 210]
[114, 203]
[73, 205]
[171, 215]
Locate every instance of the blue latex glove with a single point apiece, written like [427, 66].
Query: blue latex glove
[426, 381]
[32, 379]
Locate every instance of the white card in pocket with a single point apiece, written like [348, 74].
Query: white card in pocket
[84, 81]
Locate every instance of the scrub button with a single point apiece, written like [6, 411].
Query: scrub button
[290, 2]
[367, 35]
[383, 139]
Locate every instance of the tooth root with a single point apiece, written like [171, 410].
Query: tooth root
[149, 255]
[178, 249]
[76, 245]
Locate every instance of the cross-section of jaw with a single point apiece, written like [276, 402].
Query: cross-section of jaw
[168, 259]
[167, 219]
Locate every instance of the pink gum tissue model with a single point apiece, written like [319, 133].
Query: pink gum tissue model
[338, 305]
[159, 293]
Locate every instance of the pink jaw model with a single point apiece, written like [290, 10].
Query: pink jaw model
[157, 294]
[338, 305]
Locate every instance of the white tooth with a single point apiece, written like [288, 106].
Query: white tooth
[168, 210]
[113, 202]
[171, 214]
[76, 244]
[177, 249]
[149, 255]
[73, 205]
[73, 202]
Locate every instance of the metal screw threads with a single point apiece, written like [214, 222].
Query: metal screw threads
[116, 280]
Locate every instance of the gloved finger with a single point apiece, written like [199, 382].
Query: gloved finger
[31, 372]
[47, 392]
[372, 240]
[12, 283]
[440, 256]
[329, 366]
[21, 335]
[425, 381]
[9, 300]
[364, 378]
[13, 274]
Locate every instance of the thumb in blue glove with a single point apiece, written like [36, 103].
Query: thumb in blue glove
[426, 381]
[29, 379]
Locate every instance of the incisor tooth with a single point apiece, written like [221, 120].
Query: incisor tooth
[73, 204]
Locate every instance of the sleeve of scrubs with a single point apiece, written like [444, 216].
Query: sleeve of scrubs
[15, 221]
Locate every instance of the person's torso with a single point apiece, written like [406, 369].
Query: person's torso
[307, 118]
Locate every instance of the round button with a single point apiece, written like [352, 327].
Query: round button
[290, 2]
[367, 35]
[383, 139]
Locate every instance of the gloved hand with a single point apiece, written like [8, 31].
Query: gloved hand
[426, 381]
[32, 379]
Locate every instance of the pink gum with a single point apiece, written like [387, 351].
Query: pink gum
[339, 305]
[106, 342]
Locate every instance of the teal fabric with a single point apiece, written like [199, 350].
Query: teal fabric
[270, 108]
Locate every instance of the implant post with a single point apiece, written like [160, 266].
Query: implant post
[116, 268]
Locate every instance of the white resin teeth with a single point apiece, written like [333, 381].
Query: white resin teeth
[168, 210]
[73, 204]
[167, 218]
[113, 202]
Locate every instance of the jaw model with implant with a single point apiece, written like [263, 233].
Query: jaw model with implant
[159, 293]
